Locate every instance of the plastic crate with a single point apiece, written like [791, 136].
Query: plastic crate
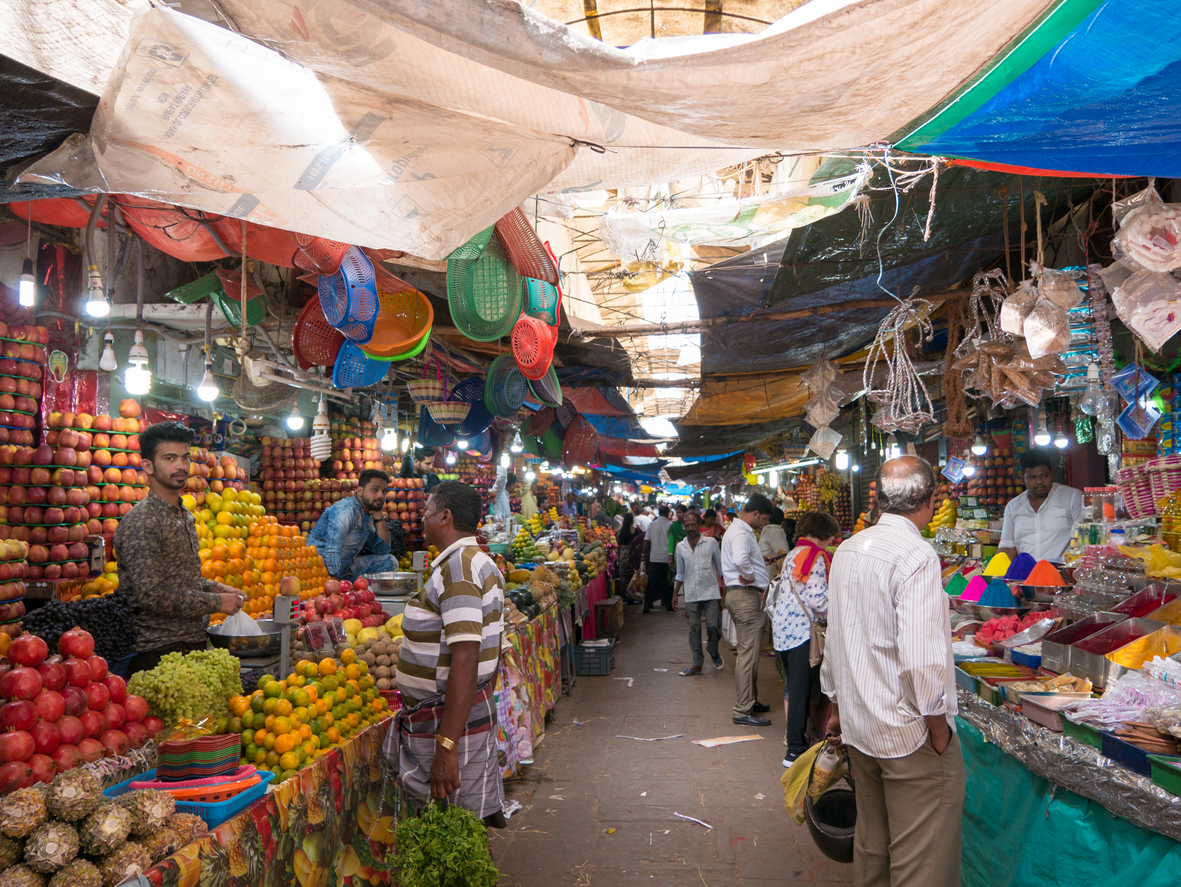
[1084, 733]
[1132, 757]
[198, 289]
[1164, 773]
[213, 814]
[593, 661]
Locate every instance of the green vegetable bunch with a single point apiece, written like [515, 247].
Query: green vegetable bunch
[444, 847]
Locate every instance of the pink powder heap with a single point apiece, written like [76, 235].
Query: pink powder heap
[976, 586]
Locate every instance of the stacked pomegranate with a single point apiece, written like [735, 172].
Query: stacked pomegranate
[62, 710]
[352, 455]
[346, 600]
[404, 501]
[22, 361]
[290, 479]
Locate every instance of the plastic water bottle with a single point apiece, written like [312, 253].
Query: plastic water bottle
[826, 764]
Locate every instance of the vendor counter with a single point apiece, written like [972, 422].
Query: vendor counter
[1044, 810]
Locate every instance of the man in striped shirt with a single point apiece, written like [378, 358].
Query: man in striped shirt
[889, 671]
[447, 667]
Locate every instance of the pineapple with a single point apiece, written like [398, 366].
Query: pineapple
[11, 852]
[22, 813]
[51, 847]
[22, 876]
[128, 861]
[245, 852]
[148, 810]
[79, 873]
[215, 868]
[161, 843]
[74, 795]
[105, 829]
[187, 827]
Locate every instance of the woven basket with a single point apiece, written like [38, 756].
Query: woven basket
[448, 412]
[426, 390]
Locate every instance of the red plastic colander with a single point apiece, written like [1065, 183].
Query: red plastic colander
[319, 255]
[533, 346]
[525, 251]
[315, 343]
[581, 444]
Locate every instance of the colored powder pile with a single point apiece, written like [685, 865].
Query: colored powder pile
[999, 565]
[956, 584]
[1044, 574]
[1021, 567]
[974, 589]
[997, 594]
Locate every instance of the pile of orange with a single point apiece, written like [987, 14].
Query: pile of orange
[287, 724]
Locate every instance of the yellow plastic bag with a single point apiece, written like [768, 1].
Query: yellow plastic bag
[795, 783]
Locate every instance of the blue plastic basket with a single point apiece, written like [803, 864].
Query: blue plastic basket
[506, 388]
[349, 297]
[213, 814]
[478, 420]
[354, 370]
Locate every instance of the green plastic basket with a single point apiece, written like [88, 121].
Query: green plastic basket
[231, 309]
[483, 291]
[505, 389]
[198, 289]
[405, 355]
[551, 443]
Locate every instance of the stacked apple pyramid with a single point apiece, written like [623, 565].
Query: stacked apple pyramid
[290, 478]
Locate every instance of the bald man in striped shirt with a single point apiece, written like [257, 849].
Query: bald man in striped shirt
[888, 668]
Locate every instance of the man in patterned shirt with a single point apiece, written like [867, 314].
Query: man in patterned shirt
[444, 742]
[156, 545]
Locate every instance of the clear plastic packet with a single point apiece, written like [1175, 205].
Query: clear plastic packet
[1149, 303]
[1047, 329]
[1149, 236]
[240, 625]
[1060, 288]
[1016, 308]
[1114, 275]
[1138, 419]
[1134, 381]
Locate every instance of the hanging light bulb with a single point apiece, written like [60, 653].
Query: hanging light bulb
[451, 458]
[461, 443]
[517, 446]
[320, 423]
[505, 460]
[389, 440]
[137, 379]
[207, 390]
[979, 447]
[1092, 401]
[406, 444]
[1042, 436]
[856, 468]
[96, 297]
[773, 479]
[893, 451]
[107, 362]
[27, 287]
[842, 460]
[294, 419]
[530, 474]
[969, 470]
[1060, 439]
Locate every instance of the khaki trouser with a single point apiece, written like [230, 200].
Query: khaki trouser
[745, 606]
[909, 812]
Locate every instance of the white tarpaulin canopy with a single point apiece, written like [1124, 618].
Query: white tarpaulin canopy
[414, 125]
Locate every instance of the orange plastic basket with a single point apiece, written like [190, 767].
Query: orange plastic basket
[322, 256]
[315, 343]
[581, 443]
[533, 346]
[525, 251]
[404, 316]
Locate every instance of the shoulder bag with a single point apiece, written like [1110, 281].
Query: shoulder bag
[819, 629]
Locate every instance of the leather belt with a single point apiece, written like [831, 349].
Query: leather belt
[743, 588]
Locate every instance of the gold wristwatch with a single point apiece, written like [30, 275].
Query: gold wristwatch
[448, 744]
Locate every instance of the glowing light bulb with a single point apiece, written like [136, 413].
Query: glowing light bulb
[979, 447]
[451, 457]
[530, 474]
[27, 286]
[969, 470]
[389, 440]
[505, 460]
[1042, 436]
[406, 444]
[1060, 440]
[516, 445]
[295, 420]
[207, 390]
[96, 297]
[461, 443]
[842, 460]
[137, 379]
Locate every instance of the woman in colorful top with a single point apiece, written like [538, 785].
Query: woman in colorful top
[805, 574]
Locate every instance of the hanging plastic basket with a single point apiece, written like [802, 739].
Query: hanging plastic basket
[404, 316]
[431, 433]
[538, 422]
[349, 297]
[533, 346]
[581, 444]
[505, 389]
[315, 342]
[425, 390]
[547, 389]
[478, 419]
[354, 370]
[229, 300]
[542, 300]
[527, 254]
[551, 444]
[564, 415]
[448, 412]
[405, 355]
[319, 255]
[483, 292]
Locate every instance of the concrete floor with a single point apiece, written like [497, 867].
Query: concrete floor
[585, 780]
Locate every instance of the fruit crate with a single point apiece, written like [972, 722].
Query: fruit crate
[213, 814]
[592, 661]
[609, 618]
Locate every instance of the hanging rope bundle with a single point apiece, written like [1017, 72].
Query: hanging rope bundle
[957, 426]
[904, 404]
[989, 290]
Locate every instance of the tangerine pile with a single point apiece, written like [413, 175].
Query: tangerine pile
[286, 725]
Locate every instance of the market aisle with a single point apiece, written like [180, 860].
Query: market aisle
[586, 780]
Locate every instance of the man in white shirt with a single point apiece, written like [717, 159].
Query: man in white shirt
[745, 575]
[1040, 522]
[773, 542]
[657, 558]
[643, 517]
[699, 573]
[889, 671]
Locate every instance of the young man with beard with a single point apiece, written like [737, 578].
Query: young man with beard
[351, 536]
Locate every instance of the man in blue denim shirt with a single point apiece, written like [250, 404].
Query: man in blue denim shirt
[350, 542]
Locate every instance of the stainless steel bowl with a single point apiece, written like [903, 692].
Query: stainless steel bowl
[966, 608]
[252, 646]
[391, 584]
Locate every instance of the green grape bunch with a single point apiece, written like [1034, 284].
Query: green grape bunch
[192, 686]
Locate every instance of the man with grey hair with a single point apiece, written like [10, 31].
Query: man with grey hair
[889, 671]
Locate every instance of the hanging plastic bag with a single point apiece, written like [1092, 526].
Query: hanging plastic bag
[1060, 288]
[240, 625]
[1016, 308]
[1047, 329]
[1149, 236]
[795, 781]
[1149, 303]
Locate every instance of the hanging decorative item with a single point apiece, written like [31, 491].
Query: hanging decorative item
[822, 408]
[903, 402]
[1149, 234]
